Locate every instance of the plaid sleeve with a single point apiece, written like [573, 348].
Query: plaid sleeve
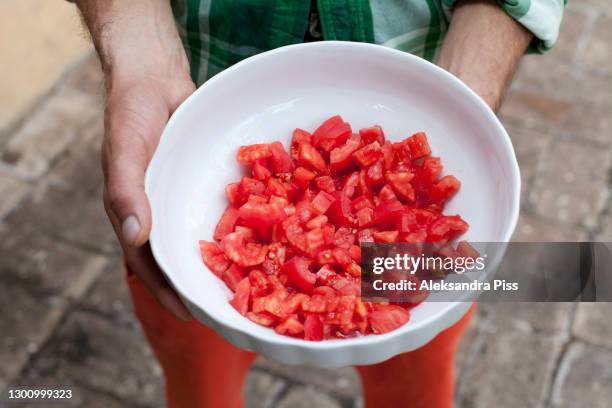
[541, 17]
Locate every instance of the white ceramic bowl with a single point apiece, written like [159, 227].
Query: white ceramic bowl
[263, 99]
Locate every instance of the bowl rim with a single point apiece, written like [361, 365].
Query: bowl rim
[280, 340]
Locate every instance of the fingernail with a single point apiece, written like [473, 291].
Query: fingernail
[130, 230]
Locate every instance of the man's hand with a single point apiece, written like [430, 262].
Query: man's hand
[147, 77]
[483, 47]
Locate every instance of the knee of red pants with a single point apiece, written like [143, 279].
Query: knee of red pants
[200, 367]
[420, 378]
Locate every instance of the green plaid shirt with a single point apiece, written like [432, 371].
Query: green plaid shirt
[219, 33]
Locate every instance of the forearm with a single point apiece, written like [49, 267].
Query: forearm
[483, 47]
[135, 39]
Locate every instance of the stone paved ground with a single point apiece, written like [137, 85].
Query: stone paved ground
[66, 319]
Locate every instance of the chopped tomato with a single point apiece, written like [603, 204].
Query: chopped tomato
[250, 154]
[400, 183]
[372, 134]
[214, 257]
[226, 223]
[310, 157]
[341, 157]
[419, 147]
[298, 274]
[387, 318]
[240, 301]
[290, 236]
[313, 327]
[333, 132]
[446, 227]
[302, 177]
[368, 155]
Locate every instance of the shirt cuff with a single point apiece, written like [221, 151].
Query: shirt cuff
[541, 17]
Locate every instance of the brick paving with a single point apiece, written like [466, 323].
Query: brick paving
[65, 313]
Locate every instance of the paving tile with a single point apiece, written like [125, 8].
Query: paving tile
[94, 352]
[538, 74]
[530, 146]
[262, 389]
[341, 381]
[573, 28]
[12, 191]
[82, 219]
[45, 267]
[25, 323]
[525, 105]
[110, 295]
[573, 188]
[79, 166]
[49, 130]
[526, 317]
[593, 324]
[307, 397]
[599, 48]
[533, 229]
[513, 369]
[584, 379]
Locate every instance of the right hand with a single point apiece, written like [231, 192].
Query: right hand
[136, 113]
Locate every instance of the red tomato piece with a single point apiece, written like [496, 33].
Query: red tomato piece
[466, 250]
[214, 258]
[302, 177]
[372, 134]
[313, 327]
[365, 216]
[386, 194]
[290, 326]
[317, 222]
[240, 301]
[418, 145]
[242, 253]
[387, 318]
[342, 257]
[261, 215]
[299, 136]
[341, 158]
[322, 201]
[446, 227]
[333, 132]
[400, 183]
[344, 238]
[298, 274]
[387, 213]
[368, 155]
[264, 319]
[226, 223]
[374, 174]
[355, 252]
[385, 236]
[326, 274]
[388, 155]
[430, 170]
[232, 191]
[348, 187]
[249, 186]
[260, 171]
[444, 189]
[339, 213]
[250, 154]
[232, 275]
[280, 161]
[325, 183]
[310, 157]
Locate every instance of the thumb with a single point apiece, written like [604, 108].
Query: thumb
[133, 128]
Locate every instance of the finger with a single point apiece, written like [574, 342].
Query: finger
[133, 128]
[141, 262]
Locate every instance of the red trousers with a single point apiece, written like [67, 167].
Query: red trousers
[203, 370]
